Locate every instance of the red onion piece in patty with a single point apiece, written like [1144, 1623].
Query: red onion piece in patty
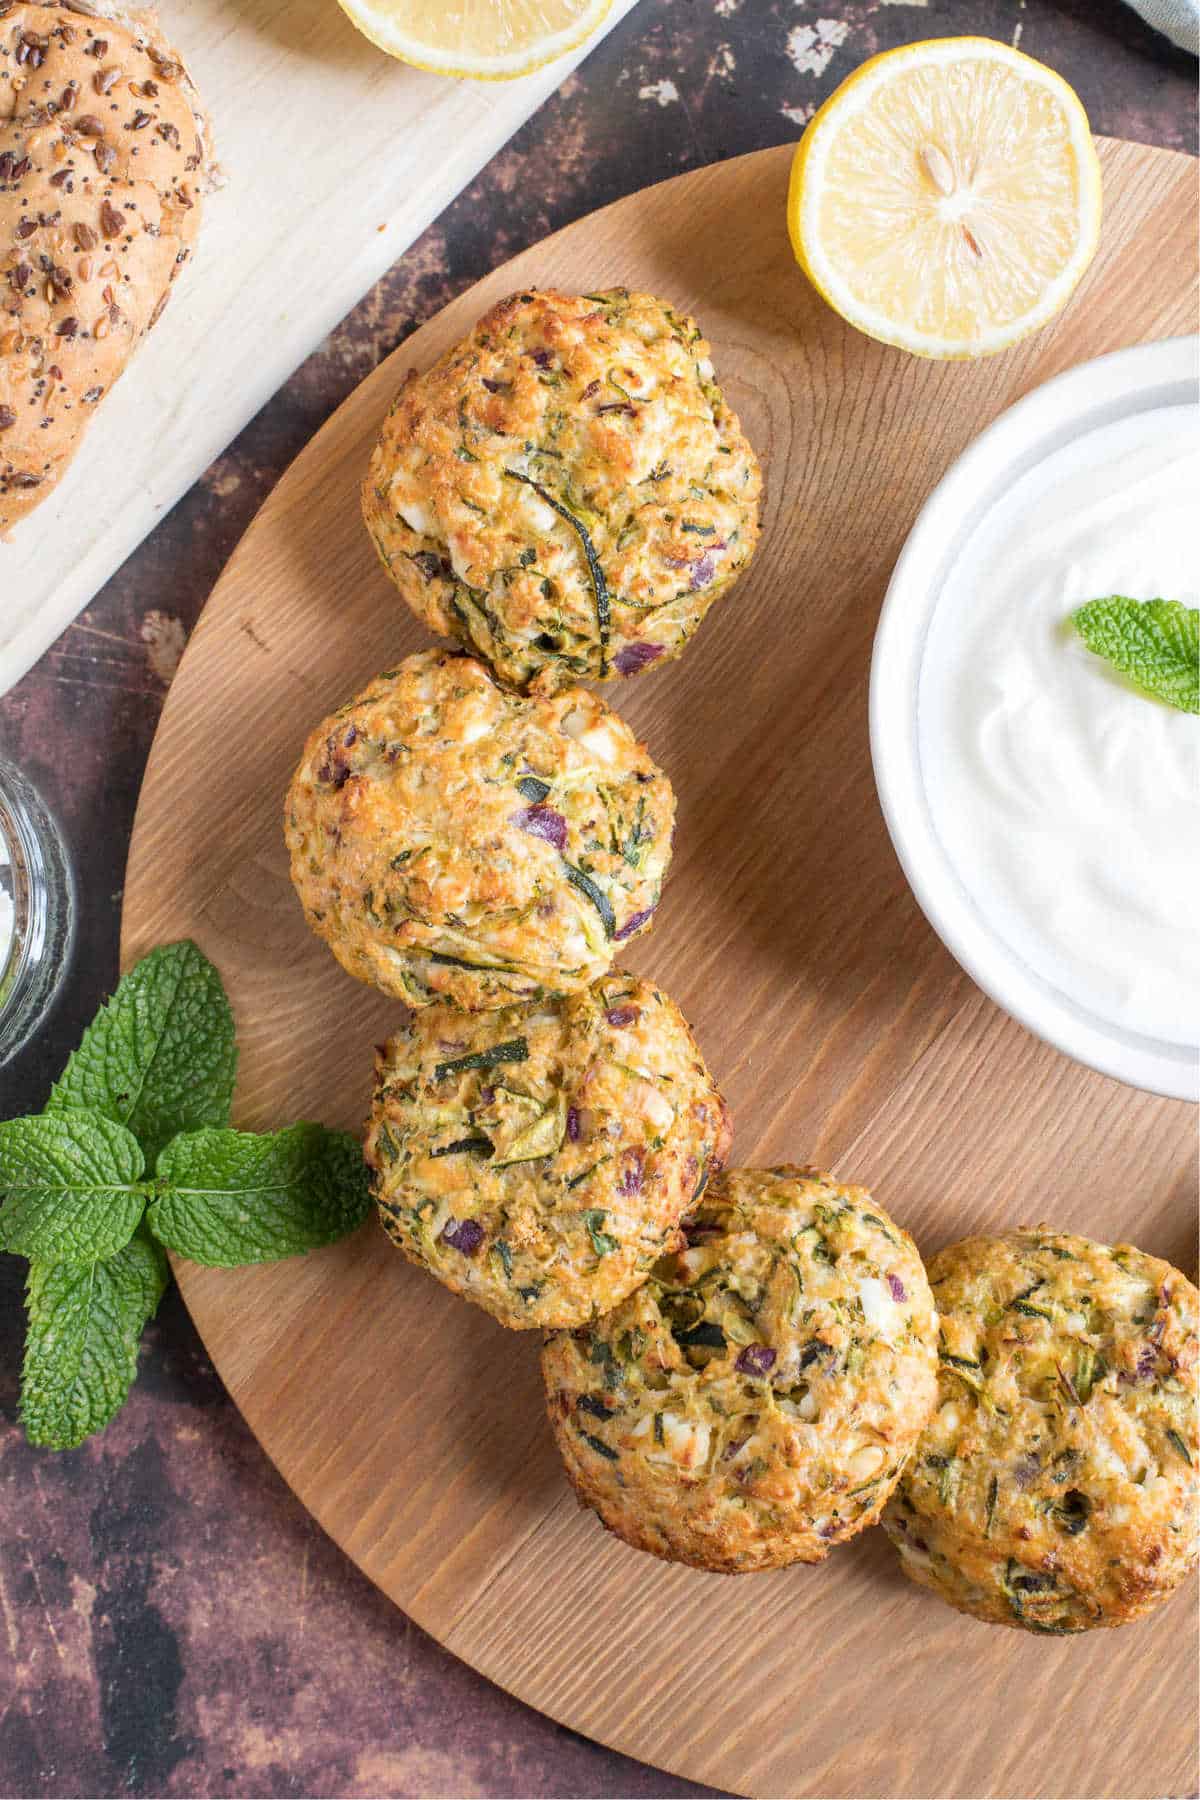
[1025, 1470]
[573, 1124]
[463, 1234]
[897, 1288]
[335, 771]
[632, 925]
[543, 822]
[1143, 1369]
[703, 571]
[631, 1175]
[755, 1359]
[632, 657]
[618, 1016]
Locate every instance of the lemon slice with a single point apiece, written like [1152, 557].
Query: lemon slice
[947, 197]
[488, 40]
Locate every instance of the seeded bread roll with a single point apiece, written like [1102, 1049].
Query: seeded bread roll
[104, 153]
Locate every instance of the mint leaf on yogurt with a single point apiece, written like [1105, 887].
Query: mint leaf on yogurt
[71, 1184]
[1155, 643]
[160, 1056]
[234, 1197]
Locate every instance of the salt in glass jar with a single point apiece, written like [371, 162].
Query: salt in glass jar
[37, 912]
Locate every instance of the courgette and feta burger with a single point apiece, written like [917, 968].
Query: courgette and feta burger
[754, 1402]
[539, 1159]
[566, 491]
[452, 840]
[1056, 1486]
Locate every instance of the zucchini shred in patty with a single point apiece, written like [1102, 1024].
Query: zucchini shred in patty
[1056, 1485]
[755, 1401]
[566, 491]
[452, 840]
[538, 1160]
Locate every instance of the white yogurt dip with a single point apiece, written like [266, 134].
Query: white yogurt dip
[1067, 801]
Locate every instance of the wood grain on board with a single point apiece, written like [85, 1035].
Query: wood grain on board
[408, 1422]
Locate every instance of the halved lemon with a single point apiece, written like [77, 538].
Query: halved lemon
[487, 40]
[947, 197]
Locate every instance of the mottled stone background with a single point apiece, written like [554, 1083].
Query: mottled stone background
[171, 1621]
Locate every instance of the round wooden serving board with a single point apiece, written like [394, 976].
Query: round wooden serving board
[840, 1030]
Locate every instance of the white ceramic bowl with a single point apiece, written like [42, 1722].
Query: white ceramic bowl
[1096, 394]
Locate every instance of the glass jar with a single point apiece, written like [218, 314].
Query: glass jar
[37, 911]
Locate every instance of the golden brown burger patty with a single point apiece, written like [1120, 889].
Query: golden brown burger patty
[452, 840]
[1056, 1484]
[538, 1159]
[566, 491]
[754, 1402]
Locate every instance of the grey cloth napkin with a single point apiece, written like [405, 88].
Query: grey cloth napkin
[1177, 19]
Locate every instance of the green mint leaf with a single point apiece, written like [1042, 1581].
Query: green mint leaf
[160, 1057]
[72, 1186]
[1156, 643]
[81, 1343]
[233, 1197]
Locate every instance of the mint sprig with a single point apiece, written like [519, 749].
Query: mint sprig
[149, 1088]
[160, 1057]
[73, 1186]
[81, 1342]
[1155, 643]
[233, 1197]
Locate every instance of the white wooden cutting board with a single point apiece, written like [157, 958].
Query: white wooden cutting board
[336, 158]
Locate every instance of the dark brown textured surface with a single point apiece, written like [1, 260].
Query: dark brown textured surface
[170, 1620]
